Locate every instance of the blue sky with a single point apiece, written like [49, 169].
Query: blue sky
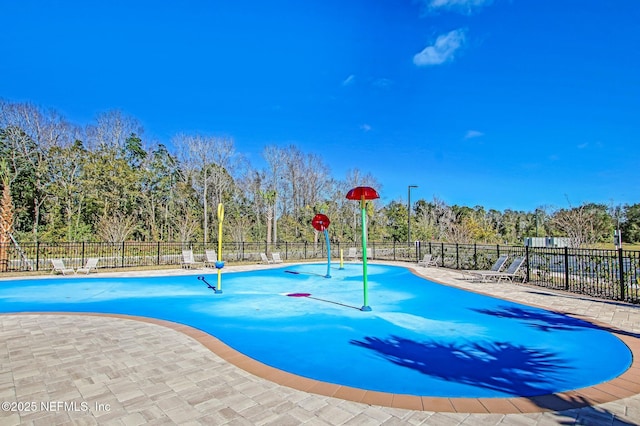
[509, 104]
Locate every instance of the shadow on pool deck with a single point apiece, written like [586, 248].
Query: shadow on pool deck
[549, 321]
[585, 413]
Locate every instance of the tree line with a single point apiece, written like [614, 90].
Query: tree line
[104, 182]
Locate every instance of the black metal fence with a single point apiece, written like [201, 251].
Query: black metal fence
[607, 274]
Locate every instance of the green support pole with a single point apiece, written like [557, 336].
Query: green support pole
[364, 193]
[363, 205]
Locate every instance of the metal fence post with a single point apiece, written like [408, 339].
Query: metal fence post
[458, 255]
[37, 255]
[394, 249]
[621, 266]
[566, 268]
[526, 257]
[475, 256]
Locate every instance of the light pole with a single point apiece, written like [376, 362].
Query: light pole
[409, 214]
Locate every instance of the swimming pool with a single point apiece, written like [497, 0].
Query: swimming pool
[421, 338]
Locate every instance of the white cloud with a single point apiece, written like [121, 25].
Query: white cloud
[365, 127]
[464, 6]
[382, 83]
[442, 50]
[590, 145]
[473, 134]
[349, 80]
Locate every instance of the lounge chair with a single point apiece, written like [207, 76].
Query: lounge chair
[188, 260]
[92, 263]
[509, 274]
[427, 261]
[30, 264]
[23, 264]
[58, 266]
[265, 259]
[210, 258]
[497, 267]
[352, 254]
[276, 257]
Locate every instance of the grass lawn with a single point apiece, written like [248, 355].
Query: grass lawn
[625, 246]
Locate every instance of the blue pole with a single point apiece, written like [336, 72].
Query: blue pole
[326, 237]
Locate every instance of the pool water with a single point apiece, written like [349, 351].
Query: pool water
[421, 338]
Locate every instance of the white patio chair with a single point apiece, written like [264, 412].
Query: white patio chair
[91, 264]
[510, 274]
[58, 266]
[477, 273]
[427, 261]
[352, 254]
[210, 258]
[188, 261]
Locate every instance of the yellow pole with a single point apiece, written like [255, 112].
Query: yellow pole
[341, 261]
[220, 219]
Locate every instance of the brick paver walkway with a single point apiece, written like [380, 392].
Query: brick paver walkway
[86, 369]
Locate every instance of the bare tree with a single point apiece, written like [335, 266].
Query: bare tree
[66, 188]
[187, 225]
[196, 156]
[316, 183]
[210, 161]
[275, 158]
[435, 220]
[252, 186]
[583, 225]
[269, 197]
[112, 129]
[293, 174]
[459, 231]
[30, 132]
[115, 228]
[306, 183]
[238, 217]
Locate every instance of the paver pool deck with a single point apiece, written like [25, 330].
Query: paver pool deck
[100, 369]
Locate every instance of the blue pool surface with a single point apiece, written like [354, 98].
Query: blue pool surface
[421, 338]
